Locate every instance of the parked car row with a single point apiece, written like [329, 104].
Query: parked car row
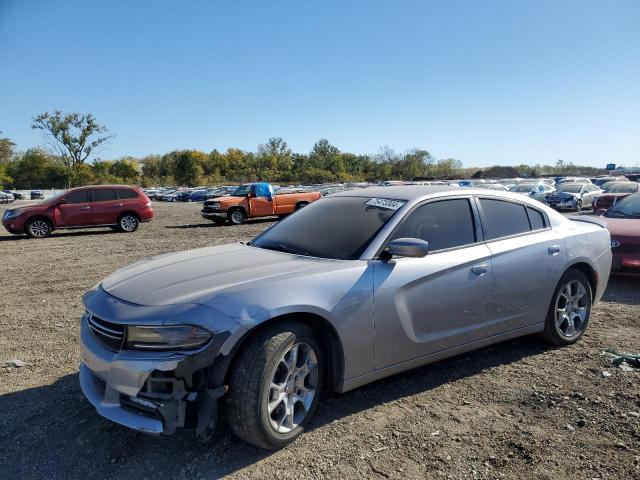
[7, 197]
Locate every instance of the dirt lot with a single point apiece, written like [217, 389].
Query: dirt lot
[515, 410]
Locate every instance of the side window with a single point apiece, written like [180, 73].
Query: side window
[501, 218]
[444, 224]
[536, 218]
[104, 194]
[78, 196]
[126, 193]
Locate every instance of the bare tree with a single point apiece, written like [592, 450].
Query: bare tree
[73, 136]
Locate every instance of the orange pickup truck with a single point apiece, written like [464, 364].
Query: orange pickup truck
[254, 200]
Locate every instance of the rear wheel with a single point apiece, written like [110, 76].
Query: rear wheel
[237, 216]
[128, 223]
[38, 228]
[300, 205]
[570, 309]
[275, 385]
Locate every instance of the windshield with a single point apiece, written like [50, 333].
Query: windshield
[335, 227]
[572, 188]
[627, 208]
[241, 191]
[623, 187]
[56, 197]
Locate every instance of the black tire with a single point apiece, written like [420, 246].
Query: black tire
[578, 205]
[282, 215]
[554, 332]
[128, 223]
[236, 216]
[300, 205]
[251, 379]
[38, 227]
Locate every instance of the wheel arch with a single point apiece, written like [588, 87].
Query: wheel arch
[328, 335]
[128, 212]
[589, 271]
[42, 217]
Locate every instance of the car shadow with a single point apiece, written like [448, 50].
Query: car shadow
[57, 234]
[52, 428]
[212, 224]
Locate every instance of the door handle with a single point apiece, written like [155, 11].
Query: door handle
[85, 208]
[554, 249]
[479, 270]
[118, 205]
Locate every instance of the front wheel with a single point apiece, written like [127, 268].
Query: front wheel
[275, 385]
[570, 309]
[236, 217]
[38, 228]
[578, 205]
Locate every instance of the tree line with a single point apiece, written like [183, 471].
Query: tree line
[73, 139]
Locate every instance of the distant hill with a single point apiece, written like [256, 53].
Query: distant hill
[496, 172]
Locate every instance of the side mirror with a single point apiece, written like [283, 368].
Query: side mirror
[408, 247]
[601, 211]
[62, 201]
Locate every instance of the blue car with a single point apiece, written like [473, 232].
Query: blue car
[193, 196]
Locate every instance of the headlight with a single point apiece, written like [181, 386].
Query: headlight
[214, 205]
[9, 214]
[167, 338]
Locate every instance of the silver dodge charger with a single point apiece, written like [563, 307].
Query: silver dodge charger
[355, 287]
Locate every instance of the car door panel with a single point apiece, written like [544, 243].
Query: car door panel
[74, 210]
[426, 305]
[105, 206]
[525, 270]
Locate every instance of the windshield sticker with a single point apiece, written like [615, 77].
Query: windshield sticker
[385, 203]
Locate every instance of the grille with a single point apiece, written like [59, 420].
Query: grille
[111, 335]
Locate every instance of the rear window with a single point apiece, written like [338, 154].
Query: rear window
[125, 193]
[502, 219]
[104, 194]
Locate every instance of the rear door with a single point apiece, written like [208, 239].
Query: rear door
[76, 209]
[527, 260]
[105, 206]
[430, 304]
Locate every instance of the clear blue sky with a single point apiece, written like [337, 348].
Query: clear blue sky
[486, 82]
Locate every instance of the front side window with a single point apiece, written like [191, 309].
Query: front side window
[335, 227]
[502, 219]
[104, 194]
[443, 224]
[77, 196]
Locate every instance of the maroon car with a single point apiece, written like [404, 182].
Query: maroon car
[623, 222]
[117, 206]
[613, 193]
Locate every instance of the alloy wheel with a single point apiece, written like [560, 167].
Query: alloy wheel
[571, 309]
[128, 223]
[39, 228]
[293, 387]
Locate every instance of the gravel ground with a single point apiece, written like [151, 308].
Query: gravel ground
[516, 410]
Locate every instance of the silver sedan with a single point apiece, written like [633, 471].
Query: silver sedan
[353, 288]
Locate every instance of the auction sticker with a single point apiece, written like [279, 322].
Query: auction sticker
[385, 203]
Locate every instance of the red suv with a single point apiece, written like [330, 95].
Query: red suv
[117, 206]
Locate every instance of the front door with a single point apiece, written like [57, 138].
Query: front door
[75, 211]
[426, 305]
[261, 202]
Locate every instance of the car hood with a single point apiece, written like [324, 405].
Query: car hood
[564, 195]
[625, 227]
[195, 276]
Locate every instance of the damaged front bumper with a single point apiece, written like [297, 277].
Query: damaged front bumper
[154, 392]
